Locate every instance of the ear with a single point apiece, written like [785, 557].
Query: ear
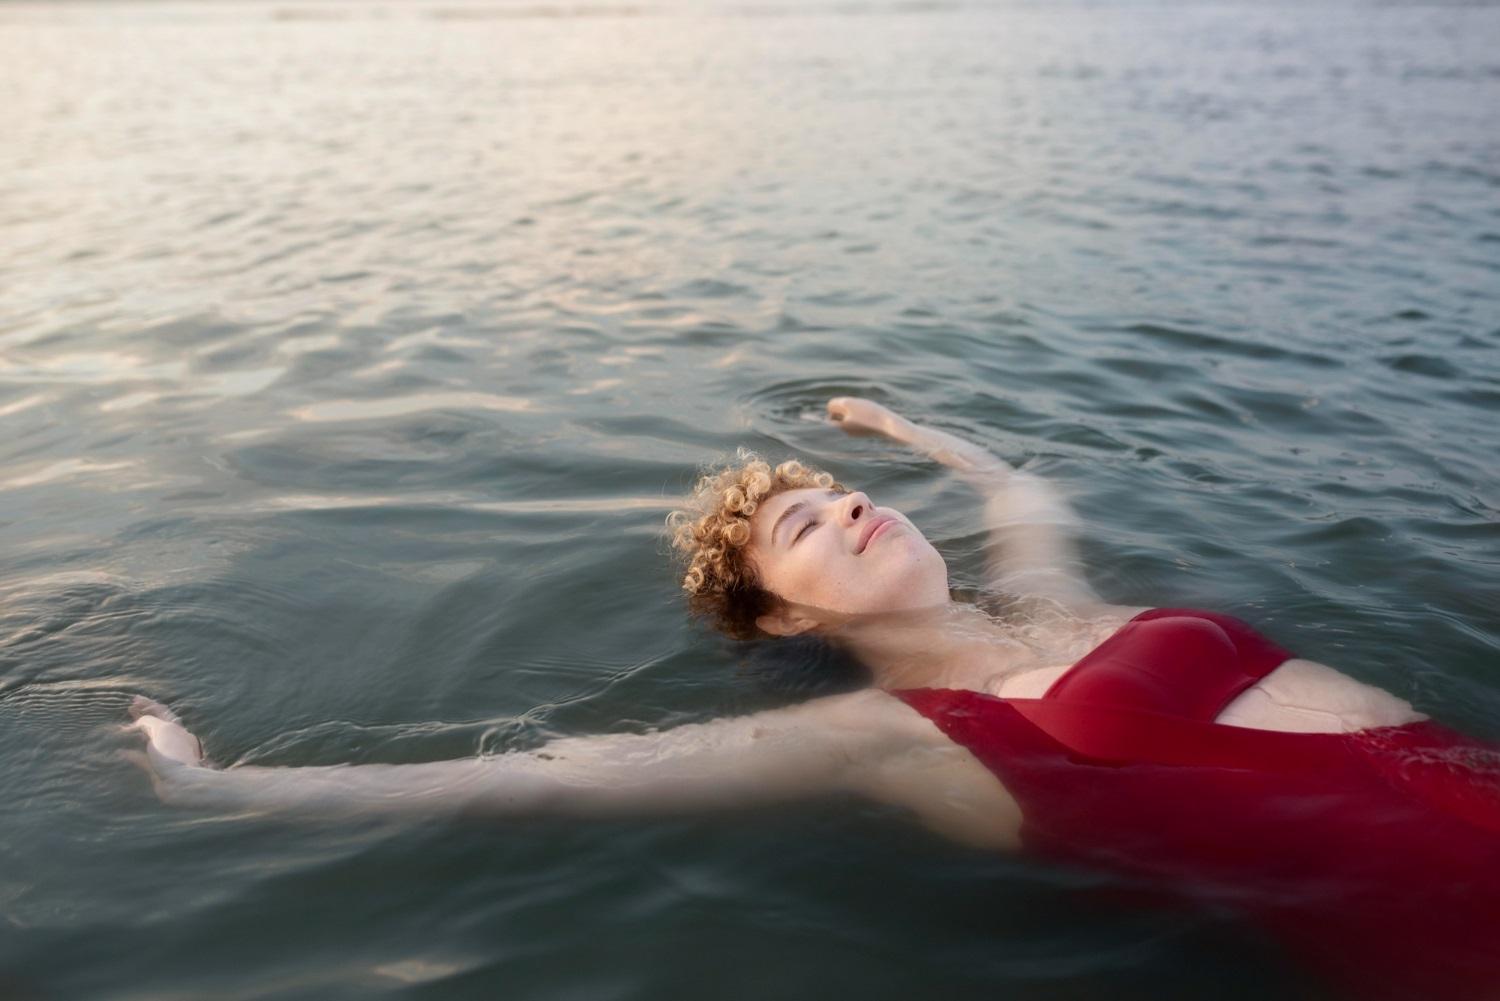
[784, 623]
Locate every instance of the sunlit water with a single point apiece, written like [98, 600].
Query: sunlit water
[351, 356]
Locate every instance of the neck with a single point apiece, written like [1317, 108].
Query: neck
[947, 646]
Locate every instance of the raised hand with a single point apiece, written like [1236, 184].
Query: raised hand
[859, 416]
[166, 738]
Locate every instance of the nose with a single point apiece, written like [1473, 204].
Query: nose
[856, 507]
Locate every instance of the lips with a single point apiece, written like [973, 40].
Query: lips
[876, 523]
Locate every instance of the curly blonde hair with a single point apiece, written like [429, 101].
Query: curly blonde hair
[710, 535]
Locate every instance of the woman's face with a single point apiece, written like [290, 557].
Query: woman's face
[839, 552]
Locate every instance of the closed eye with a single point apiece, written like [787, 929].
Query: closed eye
[808, 527]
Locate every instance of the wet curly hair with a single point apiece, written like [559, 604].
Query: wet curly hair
[711, 532]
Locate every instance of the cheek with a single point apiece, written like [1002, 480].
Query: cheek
[791, 576]
[815, 574]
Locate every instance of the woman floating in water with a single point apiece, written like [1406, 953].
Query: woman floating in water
[1176, 747]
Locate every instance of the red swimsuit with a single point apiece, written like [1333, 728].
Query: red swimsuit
[1375, 856]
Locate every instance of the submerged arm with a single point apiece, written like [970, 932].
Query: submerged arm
[1029, 549]
[818, 747]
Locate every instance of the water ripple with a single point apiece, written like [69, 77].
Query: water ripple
[352, 356]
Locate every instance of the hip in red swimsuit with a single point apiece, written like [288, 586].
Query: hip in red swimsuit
[1374, 856]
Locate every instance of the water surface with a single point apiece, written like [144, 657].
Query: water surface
[351, 356]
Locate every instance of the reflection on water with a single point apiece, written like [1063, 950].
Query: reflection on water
[364, 410]
[351, 356]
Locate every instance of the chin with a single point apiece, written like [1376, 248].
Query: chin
[920, 580]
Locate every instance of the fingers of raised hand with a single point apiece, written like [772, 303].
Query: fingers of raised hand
[165, 734]
[858, 416]
[854, 410]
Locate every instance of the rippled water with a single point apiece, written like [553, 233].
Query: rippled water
[350, 357]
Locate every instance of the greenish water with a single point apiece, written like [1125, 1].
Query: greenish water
[351, 357]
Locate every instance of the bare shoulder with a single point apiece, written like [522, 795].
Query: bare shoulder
[1063, 633]
[1102, 614]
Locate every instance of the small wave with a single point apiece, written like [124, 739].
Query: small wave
[1421, 364]
[1178, 338]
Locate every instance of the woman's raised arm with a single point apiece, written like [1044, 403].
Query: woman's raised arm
[1030, 527]
[827, 745]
